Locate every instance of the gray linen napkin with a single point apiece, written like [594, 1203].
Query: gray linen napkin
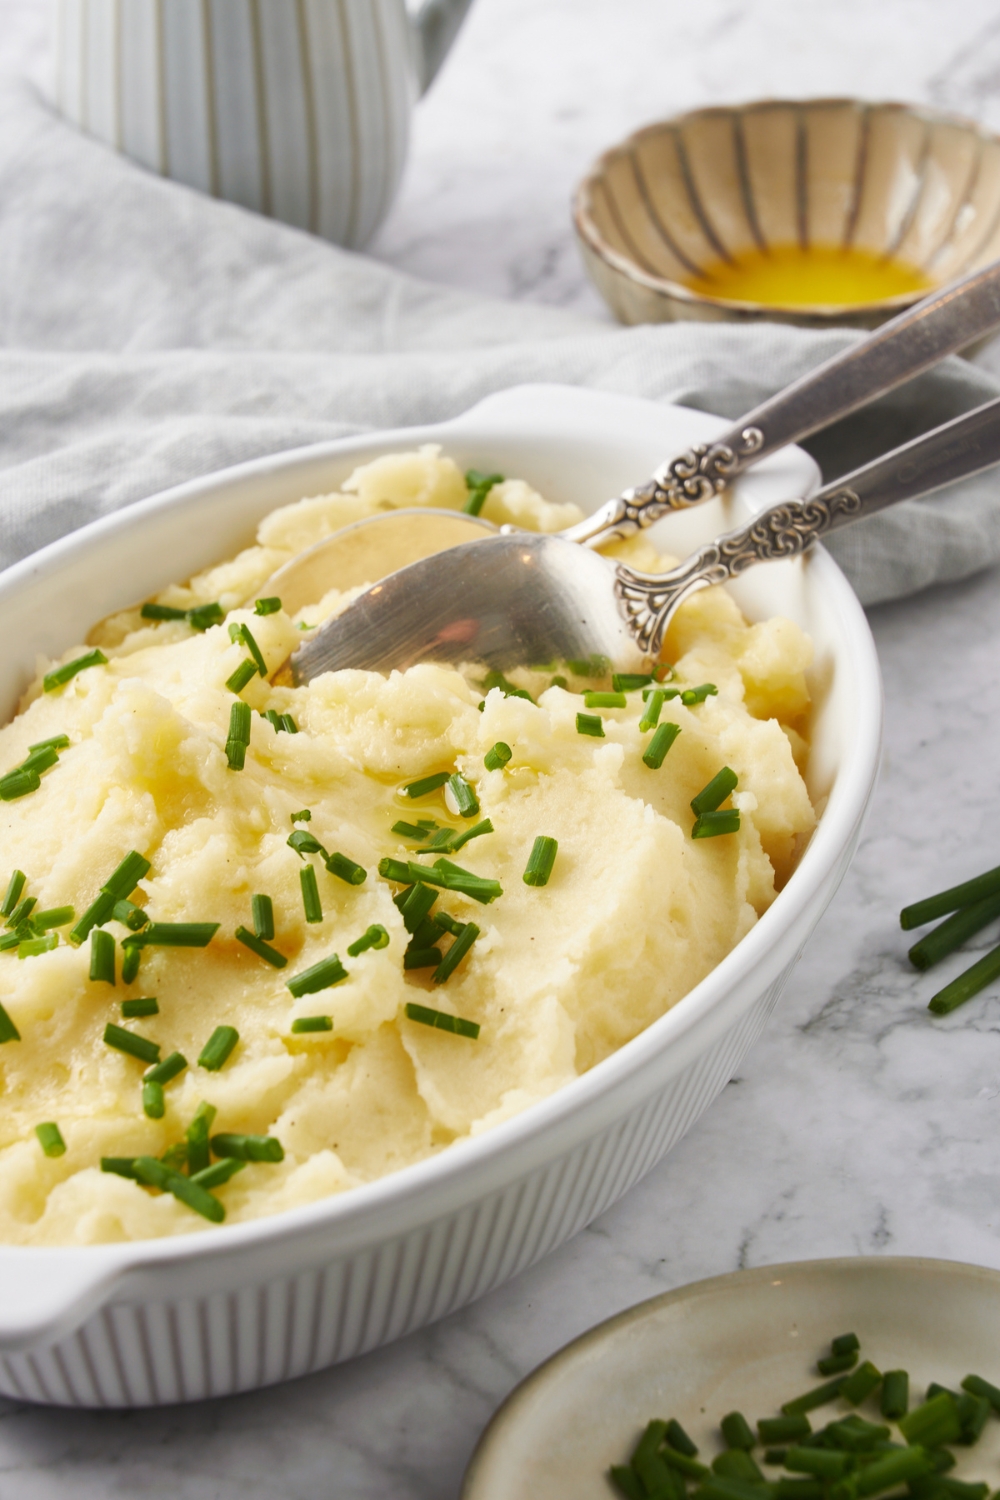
[149, 334]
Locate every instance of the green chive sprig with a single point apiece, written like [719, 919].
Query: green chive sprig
[655, 752]
[153, 1173]
[499, 756]
[262, 914]
[304, 842]
[444, 873]
[142, 1005]
[34, 947]
[200, 618]
[591, 724]
[541, 861]
[953, 899]
[305, 816]
[8, 1031]
[458, 950]
[712, 796]
[118, 887]
[949, 934]
[154, 1100]
[630, 682]
[375, 937]
[196, 1138]
[459, 840]
[604, 700]
[269, 606]
[66, 673]
[264, 950]
[346, 869]
[479, 486]
[261, 1148]
[166, 1071]
[56, 916]
[131, 958]
[131, 916]
[712, 825]
[243, 674]
[465, 797]
[690, 696]
[654, 707]
[427, 784]
[426, 1015]
[218, 1174]
[245, 635]
[15, 886]
[175, 935]
[496, 679]
[321, 976]
[238, 741]
[102, 957]
[410, 831]
[303, 1025]
[310, 894]
[50, 1139]
[421, 958]
[133, 1045]
[968, 983]
[218, 1049]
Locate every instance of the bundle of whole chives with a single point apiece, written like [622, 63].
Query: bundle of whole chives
[953, 932]
[218, 1049]
[262, 914]
[346, 869]
[143, 1005]
[953, 899]
[479, 486]
[440, 1019]
[375, 937]
[541, 861]
[248, 1147]
[238, 742]
[712, 796]
[321, 976]
[153, 1173]
[66, 673]
[968, 983]
[310, 894]
[496, 758]
[269, 606]
[656, 751]
[465, 798]
[591, 724]
[50, 1139]
[303, 1025]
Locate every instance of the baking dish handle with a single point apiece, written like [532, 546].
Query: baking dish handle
[46, 1294]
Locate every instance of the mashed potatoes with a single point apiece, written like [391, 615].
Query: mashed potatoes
[635, 913]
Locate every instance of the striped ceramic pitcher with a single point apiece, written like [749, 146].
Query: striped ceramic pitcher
[295, 108]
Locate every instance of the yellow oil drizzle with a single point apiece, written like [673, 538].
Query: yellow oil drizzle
[821, 275]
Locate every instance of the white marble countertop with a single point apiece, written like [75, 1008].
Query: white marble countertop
[857, 1124]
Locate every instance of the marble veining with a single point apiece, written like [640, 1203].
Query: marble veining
[858, 1124]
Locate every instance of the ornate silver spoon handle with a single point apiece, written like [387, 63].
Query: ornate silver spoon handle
[947, 320]
[952, 451]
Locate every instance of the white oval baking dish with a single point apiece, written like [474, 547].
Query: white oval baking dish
[232, 1309]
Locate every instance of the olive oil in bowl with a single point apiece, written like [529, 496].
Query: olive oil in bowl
[818, 276]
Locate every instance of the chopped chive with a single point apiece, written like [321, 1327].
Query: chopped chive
[102, 956]
[630, 682]
[50, 1139]
[453, 878]
[162, 612]
[239, 723]
[248, 1147]
[288, 724]
[736, 1463]
[427, 935]
[196, 1136]
[14, 888]
[590, 666]
[409, 831]
[218, 1174]
[305, 843]
[449, 924]
[274, 719]
[836, 1364]
[675, 1435]
[205, 616]
[968, 983]
[131, 916]
[845, 1343]
[419, 900]
[164, 1072]
[143, 1005]
[176, 935]
[455, 954]
[304, 1024]
[8, 1031]
[818, 1396]
[540, 861]
[121, 1166]
[712, 796]
[464, 795]
[656, 751]
[775, 1456]
[305, 816]
[934, 1389]
[40, 760]
[973, 1413]
[773, 1430]
[11, 939]
[651, 717]
[444, 1022]
[605, 700]
[699, 694]
[737, 1432]
[479, 486]
[321, 976]
[861, 1384]
[346, 869]
[246, 637]
[957, 896]
[975, 1385]
[499, 756]
[953, 932]
[444, 838]
[627, 1482]
[428, 784]
[711, 825]
[269, 606]
[154, 1174]
[310, 894]
[895, 1402]
[509, 689]
[175, 1156]
[395, 869]
[131, 957]
[154, 1103]
[218, 1049]
[422, 958]
[690, 1467]
[22, 911]
[892, 1468]
[375, 937]
[133, 868]
[821, 1463]
[855, 1434]
[459, 840]
[64, 674]
[18, 784]
[591, 724]
[54, 742]
[33, 947]
[262, 909]
[127, 1041]
[246, 670]
[668, 693]
[934, 1424]
[559, 681]
[236, 754]
[56, 916]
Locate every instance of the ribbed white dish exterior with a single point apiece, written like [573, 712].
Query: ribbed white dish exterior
[299, 109]
[228, 1310]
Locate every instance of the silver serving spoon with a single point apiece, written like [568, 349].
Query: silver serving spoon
[525, 599]
[918, 338]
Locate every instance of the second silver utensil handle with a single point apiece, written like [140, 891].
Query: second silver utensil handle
[949, 453]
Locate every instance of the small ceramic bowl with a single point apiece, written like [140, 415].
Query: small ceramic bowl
[891, 180]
